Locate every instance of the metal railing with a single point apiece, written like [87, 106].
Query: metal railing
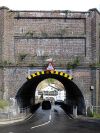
[10, 113]
[96, 109]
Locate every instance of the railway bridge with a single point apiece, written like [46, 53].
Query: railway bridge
[71, 39]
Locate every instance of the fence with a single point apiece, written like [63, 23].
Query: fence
[96, 109]
[11, 113]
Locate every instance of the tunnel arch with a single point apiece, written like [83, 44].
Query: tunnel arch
[27, 92]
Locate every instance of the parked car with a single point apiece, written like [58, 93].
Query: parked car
[59, 102]
[46, 104]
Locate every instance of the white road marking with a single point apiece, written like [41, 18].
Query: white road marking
[46, 123]
[41, 125]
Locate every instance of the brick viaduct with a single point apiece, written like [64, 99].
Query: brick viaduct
[72, 39]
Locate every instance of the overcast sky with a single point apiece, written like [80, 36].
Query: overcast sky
[74, 5]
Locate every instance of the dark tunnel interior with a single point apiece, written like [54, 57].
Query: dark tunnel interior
[27, 92]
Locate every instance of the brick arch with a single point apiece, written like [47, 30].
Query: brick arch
[27, 91]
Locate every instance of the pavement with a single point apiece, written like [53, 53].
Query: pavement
[88, 119]
[11, 121]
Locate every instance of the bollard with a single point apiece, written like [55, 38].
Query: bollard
[75, 111]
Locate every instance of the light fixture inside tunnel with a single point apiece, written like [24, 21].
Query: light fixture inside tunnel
[52, 72]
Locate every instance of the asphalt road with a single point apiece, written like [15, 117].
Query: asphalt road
[52, 121]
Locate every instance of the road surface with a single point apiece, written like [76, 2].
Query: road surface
[52, 121]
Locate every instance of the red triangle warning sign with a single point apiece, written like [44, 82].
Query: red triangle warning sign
[50, 67]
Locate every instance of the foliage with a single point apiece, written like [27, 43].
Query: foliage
[74, 64]
[89, 112]
[77, 61]
[94, 65]
[31, 64]
[22, 56]
[6, 62]
[29, 34]
[50, 80]
[3, 103]
[69, 65]
[96, 115]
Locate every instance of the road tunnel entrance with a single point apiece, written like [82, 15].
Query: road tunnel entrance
[26, 94]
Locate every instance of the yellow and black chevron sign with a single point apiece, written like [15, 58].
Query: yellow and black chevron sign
[50, 72]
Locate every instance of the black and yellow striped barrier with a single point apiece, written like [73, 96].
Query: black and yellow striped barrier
[50, 72]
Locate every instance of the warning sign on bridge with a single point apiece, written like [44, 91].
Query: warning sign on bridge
[50, 66]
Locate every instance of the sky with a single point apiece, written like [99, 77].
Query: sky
[73, 5]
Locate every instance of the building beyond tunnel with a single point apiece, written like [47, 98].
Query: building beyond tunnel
[28, 38]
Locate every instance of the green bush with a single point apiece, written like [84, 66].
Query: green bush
[89, 112]
[96, 115]
[74, 63]
[3, 104]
